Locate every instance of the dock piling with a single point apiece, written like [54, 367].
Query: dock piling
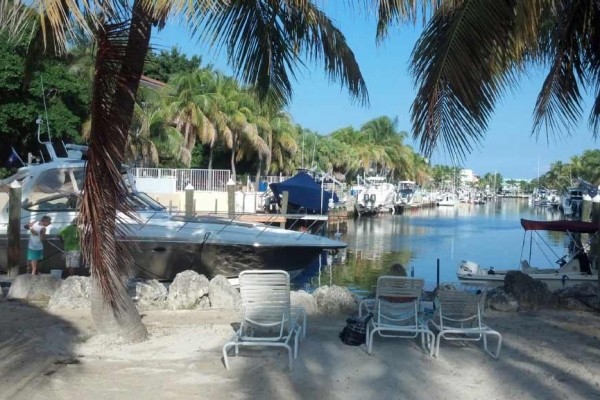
[14, 229]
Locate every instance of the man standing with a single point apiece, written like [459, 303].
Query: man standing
[35, 247]
[70, 237]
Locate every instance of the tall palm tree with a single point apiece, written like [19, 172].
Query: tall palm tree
[284, 144]
[192, 109]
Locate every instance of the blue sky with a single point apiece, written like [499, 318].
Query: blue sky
[323, 106]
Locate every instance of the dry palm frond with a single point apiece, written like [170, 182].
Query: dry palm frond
[103, 180]
[16, 20]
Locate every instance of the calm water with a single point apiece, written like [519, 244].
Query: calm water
[489, 234]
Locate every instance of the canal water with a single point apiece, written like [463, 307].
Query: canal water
[490, 235]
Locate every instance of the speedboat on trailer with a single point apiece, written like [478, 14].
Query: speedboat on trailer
[572, 269]
[161, 244]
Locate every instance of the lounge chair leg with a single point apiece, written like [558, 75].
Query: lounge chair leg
[225, 359]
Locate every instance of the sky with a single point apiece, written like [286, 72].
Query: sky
[323, 106]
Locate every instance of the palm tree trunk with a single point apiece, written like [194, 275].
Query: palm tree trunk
[258, 171]
[233, 148]
[210, 154]
[233, 177]
[113, 311]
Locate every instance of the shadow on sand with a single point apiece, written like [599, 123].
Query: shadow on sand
[34, 344]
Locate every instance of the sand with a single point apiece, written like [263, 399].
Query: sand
[57, 355]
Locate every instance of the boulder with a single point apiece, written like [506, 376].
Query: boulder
[531, 294]
[497, 299]
[584, 296]
[150, 295]
[222, 295]
[335, 300]
[304, 300]
[33, 287]
[73, 294]
[188, 291]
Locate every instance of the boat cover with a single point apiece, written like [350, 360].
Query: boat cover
[559, 226]
[304, 193]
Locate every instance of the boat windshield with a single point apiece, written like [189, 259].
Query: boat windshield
[142, 202]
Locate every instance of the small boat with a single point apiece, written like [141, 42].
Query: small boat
[571, 270]
[161, 244]
[447, 200]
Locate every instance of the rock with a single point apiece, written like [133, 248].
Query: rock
[222, 295]
[497, 299]
[304, 300]
[335, 300]
[584, 296]
[187, 290]
[531, 294]
[150, 295]
[73, 294]
[33, 287]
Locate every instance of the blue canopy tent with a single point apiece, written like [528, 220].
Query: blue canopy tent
[305, 195]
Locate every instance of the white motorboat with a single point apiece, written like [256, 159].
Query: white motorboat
[162, 245]
[377, 196]
[447, 200]
[572, 201]
[577, 269]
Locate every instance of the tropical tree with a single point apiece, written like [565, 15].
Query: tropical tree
[191, 107]
[152, 140]
[590, 166]
[122, 31]
[284, 144]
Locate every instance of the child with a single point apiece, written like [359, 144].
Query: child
[35, 247]
[70, 237]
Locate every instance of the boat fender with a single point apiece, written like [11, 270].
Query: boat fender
[366, 197]
[373, 198]
[564, 280]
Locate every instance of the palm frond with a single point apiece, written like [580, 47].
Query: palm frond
[558, 106]
[264, 40]
[462, 63]
[392, 12]
[16, 20]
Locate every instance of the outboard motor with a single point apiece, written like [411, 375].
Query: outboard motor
[468, 268]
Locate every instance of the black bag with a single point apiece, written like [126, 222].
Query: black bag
[355, 331]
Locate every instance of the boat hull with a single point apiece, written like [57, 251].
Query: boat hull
[164, 259]
[553, 281]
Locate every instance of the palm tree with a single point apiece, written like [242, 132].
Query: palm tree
[122, 31]
[284, 144]
[152, 140]
[191, 106]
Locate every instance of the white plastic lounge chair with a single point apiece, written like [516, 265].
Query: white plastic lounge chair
[395, 310]
[267, 317]
[458, 316]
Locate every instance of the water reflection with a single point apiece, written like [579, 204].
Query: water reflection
[489, 234]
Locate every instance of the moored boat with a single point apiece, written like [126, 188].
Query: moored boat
[162, 245]
[571, 270]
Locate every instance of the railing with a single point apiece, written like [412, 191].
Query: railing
[214, 180]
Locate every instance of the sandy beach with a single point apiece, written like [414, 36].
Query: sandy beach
[56, 355]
